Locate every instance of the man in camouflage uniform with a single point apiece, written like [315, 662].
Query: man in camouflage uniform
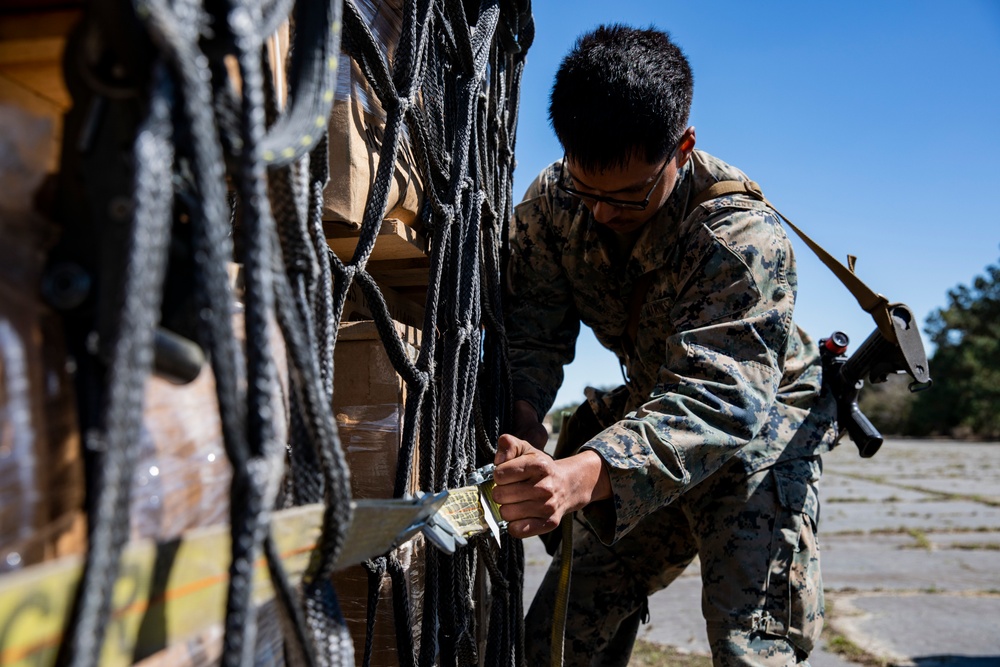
[712, 449]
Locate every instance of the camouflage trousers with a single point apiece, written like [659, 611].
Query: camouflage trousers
[762, 595]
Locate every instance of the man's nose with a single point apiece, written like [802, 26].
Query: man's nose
[604, 212]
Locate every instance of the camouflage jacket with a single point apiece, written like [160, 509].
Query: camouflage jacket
[719, 369]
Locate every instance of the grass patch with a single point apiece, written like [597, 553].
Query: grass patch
[646, 654]
[849, 532]
[836, 643]
[973, 546]
[920, 539]
[984, 500]
[937, 495]
[848, 650]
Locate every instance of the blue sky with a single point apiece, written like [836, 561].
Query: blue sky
[872, 125]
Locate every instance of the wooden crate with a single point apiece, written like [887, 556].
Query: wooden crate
[31, 48]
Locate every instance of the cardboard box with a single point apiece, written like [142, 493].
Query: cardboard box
[352, 593]
[356, 134]
[357, 126]
[369, 399]
[182, 475]
[31, 76]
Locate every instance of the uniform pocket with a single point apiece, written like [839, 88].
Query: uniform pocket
[794, 595]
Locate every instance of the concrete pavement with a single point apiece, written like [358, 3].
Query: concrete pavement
[911, 560]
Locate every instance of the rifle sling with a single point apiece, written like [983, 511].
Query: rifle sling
[873, 303]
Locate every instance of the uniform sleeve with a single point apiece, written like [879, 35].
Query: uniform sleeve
[728, 329]
[541, 321]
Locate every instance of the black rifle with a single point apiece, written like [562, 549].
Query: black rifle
[876, 359]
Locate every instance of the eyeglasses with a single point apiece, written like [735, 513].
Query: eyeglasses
[626, 204]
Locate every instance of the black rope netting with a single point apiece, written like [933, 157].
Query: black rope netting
[450, 88]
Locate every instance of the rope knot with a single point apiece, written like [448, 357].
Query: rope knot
[447, 214]
[405, 104]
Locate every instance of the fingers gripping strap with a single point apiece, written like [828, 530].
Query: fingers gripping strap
[872, 302]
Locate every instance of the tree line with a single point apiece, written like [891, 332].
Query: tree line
[964, 401]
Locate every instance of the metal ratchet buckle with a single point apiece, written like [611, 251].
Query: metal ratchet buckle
[483, 478]
[469, 510]
[440, 532]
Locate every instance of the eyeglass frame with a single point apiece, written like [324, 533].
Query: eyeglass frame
[623, 204]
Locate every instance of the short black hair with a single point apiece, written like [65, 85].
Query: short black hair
[620, 93]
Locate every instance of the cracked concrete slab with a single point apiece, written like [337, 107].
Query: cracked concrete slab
[836, 489]
[927, 516]
[984, 540]
[913, 577]
[984, 489]
[899, 562]
[923, 629]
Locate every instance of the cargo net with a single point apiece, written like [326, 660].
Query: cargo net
[241, 157]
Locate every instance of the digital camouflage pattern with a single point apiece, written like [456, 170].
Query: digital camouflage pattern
[720, 369]
[755, 538]
[712, 448]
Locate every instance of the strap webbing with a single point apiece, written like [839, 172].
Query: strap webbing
[873, 303]
[558, 633]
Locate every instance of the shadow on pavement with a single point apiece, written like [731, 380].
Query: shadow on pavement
[957, 661]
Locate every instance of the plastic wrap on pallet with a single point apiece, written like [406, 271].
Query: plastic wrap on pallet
[368, 401]
[182, 477]
[205, 649]
[370, 437]
[352, 592]
[23, 478]
[385, 20]
[357, 124]
[41, 482]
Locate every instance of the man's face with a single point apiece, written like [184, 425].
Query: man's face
[636, 182]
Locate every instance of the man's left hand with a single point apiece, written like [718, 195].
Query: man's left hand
[535, 491]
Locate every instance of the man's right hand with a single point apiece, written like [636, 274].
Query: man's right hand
[535, 491]
[527, 425]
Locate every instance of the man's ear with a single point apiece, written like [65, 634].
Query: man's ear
[685, 146]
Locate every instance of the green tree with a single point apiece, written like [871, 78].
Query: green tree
[889, 405]
[965, 398]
